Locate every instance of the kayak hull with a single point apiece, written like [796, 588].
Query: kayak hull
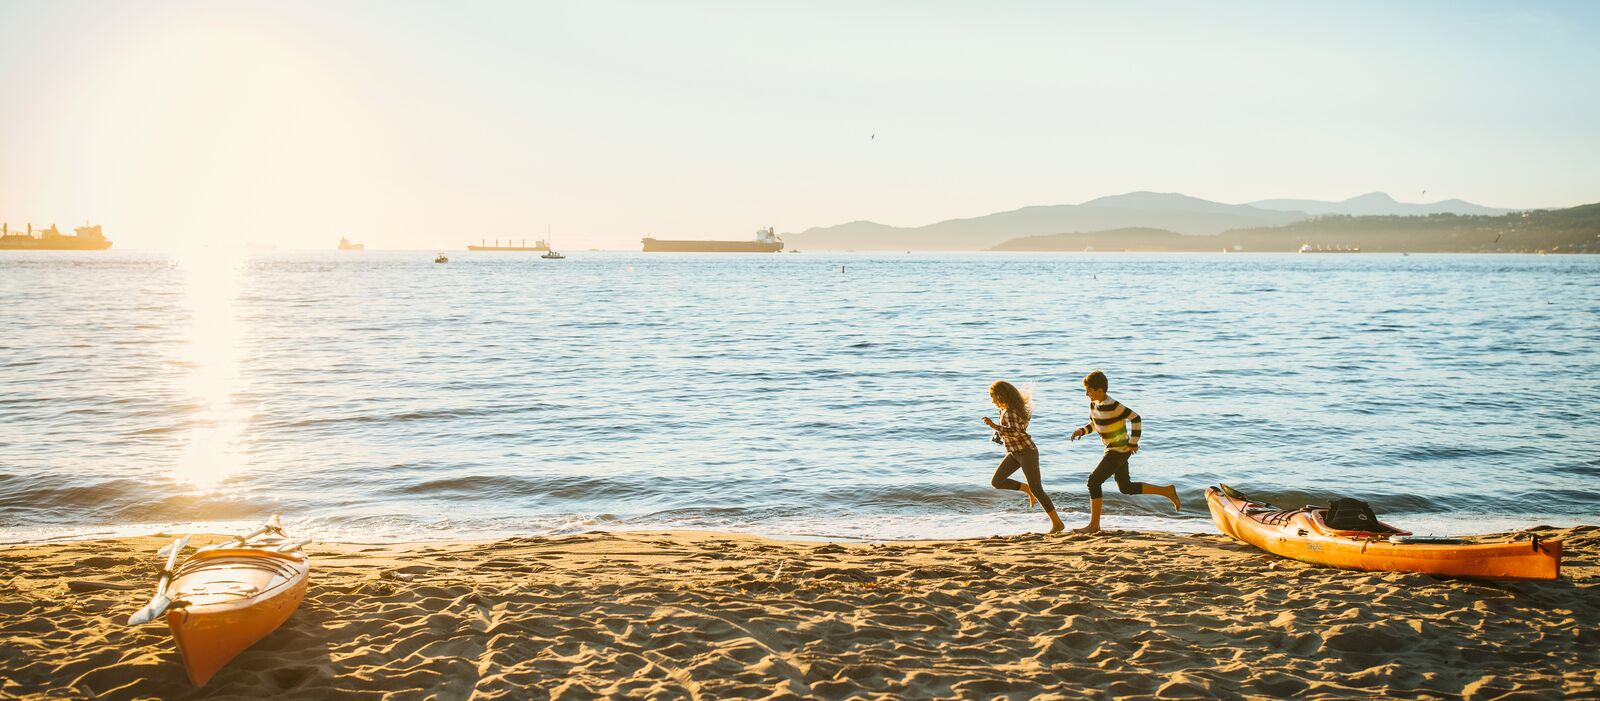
[235, 597]
[1302, 535]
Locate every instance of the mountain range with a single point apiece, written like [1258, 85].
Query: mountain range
[1145, 210]
[1569, 230]
[1378, 204]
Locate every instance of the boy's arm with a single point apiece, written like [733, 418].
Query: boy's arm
[1085, 429]
[1134, 426]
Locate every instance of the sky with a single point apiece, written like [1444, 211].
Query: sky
[434, 125]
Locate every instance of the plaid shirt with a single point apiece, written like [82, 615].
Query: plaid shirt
[1015, 433]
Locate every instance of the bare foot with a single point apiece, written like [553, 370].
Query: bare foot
[1087, 529]
[1056, 526]
[1172, 493]
[1031, 498]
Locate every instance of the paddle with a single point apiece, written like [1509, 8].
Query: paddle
[273, 525]
[159, 603]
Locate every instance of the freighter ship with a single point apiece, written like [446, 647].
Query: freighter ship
[766, 242]
[539, 245]
[87, 238]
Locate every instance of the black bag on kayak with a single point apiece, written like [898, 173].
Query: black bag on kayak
[1351, 515]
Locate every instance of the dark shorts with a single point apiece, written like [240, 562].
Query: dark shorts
[1114, 463]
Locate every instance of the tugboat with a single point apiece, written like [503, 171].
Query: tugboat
[441, 258]
[87, 238]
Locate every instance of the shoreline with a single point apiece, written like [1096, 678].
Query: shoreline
[1002, 524]
[861, 251]
[698, 614]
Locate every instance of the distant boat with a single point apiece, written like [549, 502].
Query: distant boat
[345, 245]
[441, 259]
[538, 245]
[86, 238]
[552, 255]
[1307, 248]
[765, 242]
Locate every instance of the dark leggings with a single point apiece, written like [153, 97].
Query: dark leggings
[1028, 460]
[1114, 463]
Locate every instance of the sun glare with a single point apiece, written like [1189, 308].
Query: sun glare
[213, 450]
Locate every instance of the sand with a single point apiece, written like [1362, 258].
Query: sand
[689, 615]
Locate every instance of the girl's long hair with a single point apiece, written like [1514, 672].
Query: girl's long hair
[1011, 399]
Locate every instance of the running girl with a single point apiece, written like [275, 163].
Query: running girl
[1015, 412]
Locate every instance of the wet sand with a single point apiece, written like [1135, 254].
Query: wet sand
[691, 615]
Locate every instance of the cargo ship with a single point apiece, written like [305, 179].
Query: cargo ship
[86, 238]
[345, 245]
[538, 245]
[1308, 248]
[765, 242]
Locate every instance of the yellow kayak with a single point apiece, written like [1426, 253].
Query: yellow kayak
[1302, 534]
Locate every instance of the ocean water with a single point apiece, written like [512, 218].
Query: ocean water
[376, 396]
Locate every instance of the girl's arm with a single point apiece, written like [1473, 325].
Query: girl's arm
[1005, 426]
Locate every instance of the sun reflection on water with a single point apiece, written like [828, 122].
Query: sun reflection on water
[212, 450]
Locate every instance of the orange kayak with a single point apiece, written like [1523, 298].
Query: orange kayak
[1302, 534]
[225, 597]
[235, 597]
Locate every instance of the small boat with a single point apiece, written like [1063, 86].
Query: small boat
[226, 597]
[1302, 534]
[441, 259]
[552, 255]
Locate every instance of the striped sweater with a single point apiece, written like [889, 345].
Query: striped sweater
[1117, 425]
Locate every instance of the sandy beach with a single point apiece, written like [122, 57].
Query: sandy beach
[695, 615]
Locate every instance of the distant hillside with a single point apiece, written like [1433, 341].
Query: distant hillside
[1572, 230]
[1378, 204]
[1134, 210]
[1140, 209]
[1129, 239]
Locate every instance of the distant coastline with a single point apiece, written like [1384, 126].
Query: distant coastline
[1573, 230]
[1172, 222]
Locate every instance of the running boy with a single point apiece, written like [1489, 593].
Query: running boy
[1118, 427]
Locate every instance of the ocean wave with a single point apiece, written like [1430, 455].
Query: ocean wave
[364, 399]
